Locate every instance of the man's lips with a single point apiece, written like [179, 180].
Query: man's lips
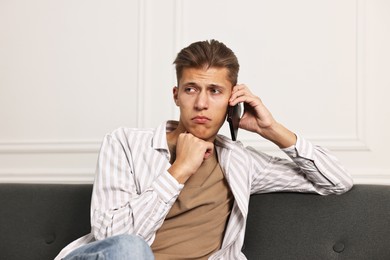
[200, 119]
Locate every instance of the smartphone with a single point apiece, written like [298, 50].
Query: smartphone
[233, 118]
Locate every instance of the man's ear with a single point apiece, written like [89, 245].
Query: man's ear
[175, 92]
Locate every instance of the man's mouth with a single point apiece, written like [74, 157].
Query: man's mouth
[200, 119]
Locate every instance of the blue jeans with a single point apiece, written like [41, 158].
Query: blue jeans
[117, 247]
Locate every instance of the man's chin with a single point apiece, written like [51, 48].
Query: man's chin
[206, 136]
[207, 133]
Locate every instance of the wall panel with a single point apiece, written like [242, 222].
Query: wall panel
[72, 71]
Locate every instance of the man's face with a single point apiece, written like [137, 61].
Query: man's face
[202, 96]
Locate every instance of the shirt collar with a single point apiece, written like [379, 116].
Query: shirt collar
[160, 135]
[224, 142]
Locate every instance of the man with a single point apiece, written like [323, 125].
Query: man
[181, 191]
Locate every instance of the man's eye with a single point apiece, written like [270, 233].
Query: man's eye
[215, 91]
[189, 90]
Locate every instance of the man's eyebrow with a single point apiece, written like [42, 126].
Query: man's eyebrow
[190, 84]
[216, 85]
[212, 85]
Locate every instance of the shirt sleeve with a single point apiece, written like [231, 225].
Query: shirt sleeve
[118, 204]
[311, 169]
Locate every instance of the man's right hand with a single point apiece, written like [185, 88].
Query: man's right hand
[190, 154]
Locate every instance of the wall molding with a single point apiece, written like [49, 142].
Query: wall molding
[47, 175]
[371, 176]
[177, 43]
[333, 144]
[50, 146]
[361, 72]
[141, 60]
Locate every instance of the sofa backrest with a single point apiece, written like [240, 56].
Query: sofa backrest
[355, 225]
[38, 220]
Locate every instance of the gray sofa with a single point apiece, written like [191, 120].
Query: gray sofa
[38, 220]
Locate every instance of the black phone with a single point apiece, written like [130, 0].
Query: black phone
[233, 117]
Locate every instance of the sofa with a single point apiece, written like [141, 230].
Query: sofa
[38, 220]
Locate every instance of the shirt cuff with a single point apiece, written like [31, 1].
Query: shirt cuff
[302, 148]
[167, 187]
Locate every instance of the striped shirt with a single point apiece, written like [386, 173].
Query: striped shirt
[133, 190]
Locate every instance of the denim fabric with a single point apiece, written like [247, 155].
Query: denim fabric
[117, 247]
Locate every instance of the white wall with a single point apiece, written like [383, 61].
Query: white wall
[71, 71]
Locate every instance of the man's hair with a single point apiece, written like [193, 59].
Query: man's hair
[207, 54]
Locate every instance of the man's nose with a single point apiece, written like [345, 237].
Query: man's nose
[202, 101]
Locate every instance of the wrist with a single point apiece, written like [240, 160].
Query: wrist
[181, 175]
[279, 135]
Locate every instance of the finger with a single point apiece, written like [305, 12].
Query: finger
[239, 87]
[209, 151]
[238, 92]
[207, 154]
[235, 89]
[238, 97]
[234, 96]
[243, 95]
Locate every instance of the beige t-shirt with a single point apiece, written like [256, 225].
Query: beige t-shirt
[195, 225]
